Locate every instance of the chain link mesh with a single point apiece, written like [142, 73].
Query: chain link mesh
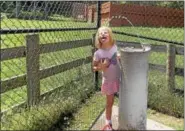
[46, 76]
[46, 62]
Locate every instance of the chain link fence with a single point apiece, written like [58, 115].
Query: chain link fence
[46, 53]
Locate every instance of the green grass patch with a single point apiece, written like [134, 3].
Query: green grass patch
[175, 123]
[14, 23]
[171, 34]
[158, 58]
[17, 67]
[161, 99]
[88, 112]
[19, 95]
[179, 82]
[16, 40]
[52, 109]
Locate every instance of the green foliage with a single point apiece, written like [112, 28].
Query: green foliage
[52, 109]
[170, 4]
[161, 99]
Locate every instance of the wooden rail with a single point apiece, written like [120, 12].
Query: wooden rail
[17, 52]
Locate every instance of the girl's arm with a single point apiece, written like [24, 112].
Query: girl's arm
[95, 66]
[96, 60]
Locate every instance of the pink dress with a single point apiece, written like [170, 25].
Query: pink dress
[111, 76]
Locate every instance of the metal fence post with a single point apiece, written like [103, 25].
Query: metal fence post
[95, 77]
[99, 15]
[98, 25]
[18, 8]
[32, 66]
[170, 67]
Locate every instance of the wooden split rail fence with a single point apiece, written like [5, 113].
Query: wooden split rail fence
[33, 74]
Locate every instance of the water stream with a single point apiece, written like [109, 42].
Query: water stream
[123, 17]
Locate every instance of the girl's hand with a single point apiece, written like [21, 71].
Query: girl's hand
[101, 65]
[118, 56]
[104, 63]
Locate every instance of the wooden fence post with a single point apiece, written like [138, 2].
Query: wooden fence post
[96, 72]
[32, 66]
[170, 67]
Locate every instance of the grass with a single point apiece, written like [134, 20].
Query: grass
[20, 94]
[174, 34]
[16, 40]
[52, 109]
[161, 99]
[175, 123]
[171, 34]
[32, 24]
[88, 112]
[17, 67]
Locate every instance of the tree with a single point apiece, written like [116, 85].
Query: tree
[170, 4]
[176, 4]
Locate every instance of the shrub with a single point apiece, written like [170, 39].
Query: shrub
[29, 15]
[54, 108]
[161, 99]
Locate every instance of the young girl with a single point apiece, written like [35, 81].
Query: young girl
[105, 60]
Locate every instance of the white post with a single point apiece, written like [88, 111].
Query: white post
[134, 88]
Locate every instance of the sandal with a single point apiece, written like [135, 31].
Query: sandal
[107, 127]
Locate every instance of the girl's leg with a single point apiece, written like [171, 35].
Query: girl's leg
[109, 104]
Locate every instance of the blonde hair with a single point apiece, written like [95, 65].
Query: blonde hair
[97, 42]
